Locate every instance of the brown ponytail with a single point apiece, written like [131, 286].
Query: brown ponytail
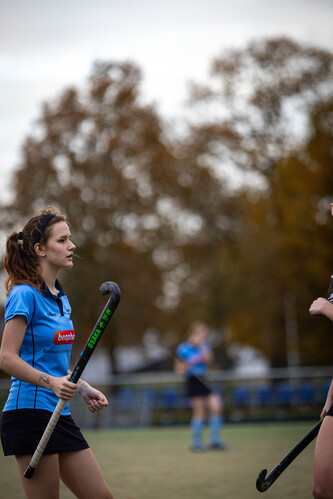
[21, 261]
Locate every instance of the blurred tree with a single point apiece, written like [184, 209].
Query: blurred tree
[259, 124]
[100, 155]
[204, 243]
[142, 213]
[284, 260]
[256, 109]
[227, 224]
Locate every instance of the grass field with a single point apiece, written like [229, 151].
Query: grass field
[157, 464]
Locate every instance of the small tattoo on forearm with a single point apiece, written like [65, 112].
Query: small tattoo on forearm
[45, 378]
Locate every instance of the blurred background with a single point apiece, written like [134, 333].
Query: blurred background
[190, 143]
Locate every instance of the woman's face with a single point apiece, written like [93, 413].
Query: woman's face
[58, 250]
[199, 335]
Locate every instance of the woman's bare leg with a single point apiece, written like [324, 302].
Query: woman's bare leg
[323, 461]
[45, 481]
[198, 405]
[81, 473]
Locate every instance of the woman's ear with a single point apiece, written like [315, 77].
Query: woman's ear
[40, 249]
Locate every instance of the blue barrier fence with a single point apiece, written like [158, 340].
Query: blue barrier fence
[159, 398]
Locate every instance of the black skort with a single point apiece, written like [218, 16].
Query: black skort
[196, 387]
[21, 431]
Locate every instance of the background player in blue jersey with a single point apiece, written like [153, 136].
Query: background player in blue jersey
[323, 456]
[192, 358]
[35, 351]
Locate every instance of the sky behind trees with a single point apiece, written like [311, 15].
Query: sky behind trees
[45, 49]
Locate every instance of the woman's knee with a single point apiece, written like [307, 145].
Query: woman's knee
[215, 404]
[321, 489]
[320, 492]
[198, 406]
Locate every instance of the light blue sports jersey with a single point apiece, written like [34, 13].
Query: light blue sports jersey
[192, 355]
[46, 345]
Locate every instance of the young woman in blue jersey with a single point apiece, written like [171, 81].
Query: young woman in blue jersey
[192, 358]
[323, 456]
[35, 351]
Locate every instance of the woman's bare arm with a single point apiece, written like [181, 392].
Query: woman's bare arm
[321, 306]
[12, 364]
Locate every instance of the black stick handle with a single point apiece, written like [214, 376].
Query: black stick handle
[96, 334]
[263, 483]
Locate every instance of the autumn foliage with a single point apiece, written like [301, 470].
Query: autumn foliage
[227, 222]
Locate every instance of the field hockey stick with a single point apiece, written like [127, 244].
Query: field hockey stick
[264, 483]
[107, 288]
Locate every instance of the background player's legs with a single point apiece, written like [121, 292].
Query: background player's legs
[198, 405]
[45, 482]
[323, 461]
[215, 407]
[81, 473]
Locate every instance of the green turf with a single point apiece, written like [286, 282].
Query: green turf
[157, 464]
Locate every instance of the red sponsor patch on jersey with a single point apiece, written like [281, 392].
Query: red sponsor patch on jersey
[64, 337]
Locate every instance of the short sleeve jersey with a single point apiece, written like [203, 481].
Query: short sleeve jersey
[192, 355]
[46, 345]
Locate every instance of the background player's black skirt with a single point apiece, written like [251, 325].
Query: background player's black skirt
[22, 429]
[196, 387]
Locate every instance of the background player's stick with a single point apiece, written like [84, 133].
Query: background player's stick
[107, 288]
[264, 483]
[205, 382]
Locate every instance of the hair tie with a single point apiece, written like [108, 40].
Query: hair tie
[20, 239]
[41, 226]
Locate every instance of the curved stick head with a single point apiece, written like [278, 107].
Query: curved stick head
[110, 288]
[261, 483]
